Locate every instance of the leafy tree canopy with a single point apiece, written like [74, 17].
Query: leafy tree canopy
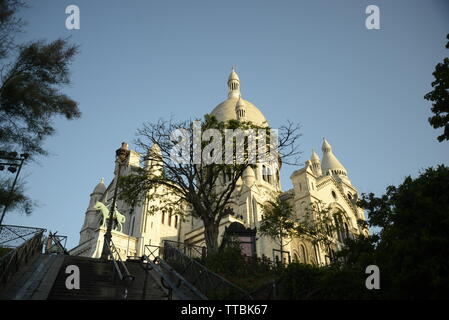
[31, 76]
[440, 98]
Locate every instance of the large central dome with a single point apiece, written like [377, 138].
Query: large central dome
[236, 108]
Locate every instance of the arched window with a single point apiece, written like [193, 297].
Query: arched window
[255, 210]
[176, 221]
[303, 253]
[163, 216]
[346, 230]
[266, 174]
[295, 257]
[338, 227]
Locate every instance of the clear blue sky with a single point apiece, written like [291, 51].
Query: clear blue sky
[312, 62]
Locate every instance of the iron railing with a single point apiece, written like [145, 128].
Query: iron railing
[207, 282]
[170, 279]
[119, 266]
[120, 270]
[22, 244]
[14, 236]
[190, 250]
[54, 244]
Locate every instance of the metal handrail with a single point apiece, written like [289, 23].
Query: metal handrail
[154, 252]
[207, 282]
[113, 250]
[192, 251]
[170, 279]
[11, 262]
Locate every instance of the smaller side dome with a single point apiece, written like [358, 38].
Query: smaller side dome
[314, 156]
[316, 164]
[100, 188]
[248, 176]
[330, 163]
[240, 109]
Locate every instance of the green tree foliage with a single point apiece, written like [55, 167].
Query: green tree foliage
[413, 245]
[278, 221]
[410, 250]
[16, 200]
[31, 76]
[10, 24]
[318, 224]
[248, 273]
[306, 282]
[29, 95]
[440, 98]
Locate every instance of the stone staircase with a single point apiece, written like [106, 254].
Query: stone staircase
[146, 284]
[45, 277]
[98, 281]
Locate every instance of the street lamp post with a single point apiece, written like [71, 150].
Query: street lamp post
[121, 155]
[14, 164]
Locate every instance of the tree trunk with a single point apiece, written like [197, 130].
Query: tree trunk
[211, 237]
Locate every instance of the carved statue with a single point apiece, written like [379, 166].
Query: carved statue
[118, 217]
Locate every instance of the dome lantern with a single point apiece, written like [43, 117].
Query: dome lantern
[233, 84]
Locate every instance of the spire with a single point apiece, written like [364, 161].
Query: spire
[97, 194]
[316, 163]
[100, 187]
[233, 84]
[326, 146]
[314, 156]
[330, 164]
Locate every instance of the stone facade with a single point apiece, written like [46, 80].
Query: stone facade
[319, 182]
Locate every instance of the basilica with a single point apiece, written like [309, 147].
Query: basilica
[321, 182]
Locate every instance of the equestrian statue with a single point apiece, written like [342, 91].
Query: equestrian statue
[117, 217]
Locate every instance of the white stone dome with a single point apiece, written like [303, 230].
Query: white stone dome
[236, 108]
[226, 111]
